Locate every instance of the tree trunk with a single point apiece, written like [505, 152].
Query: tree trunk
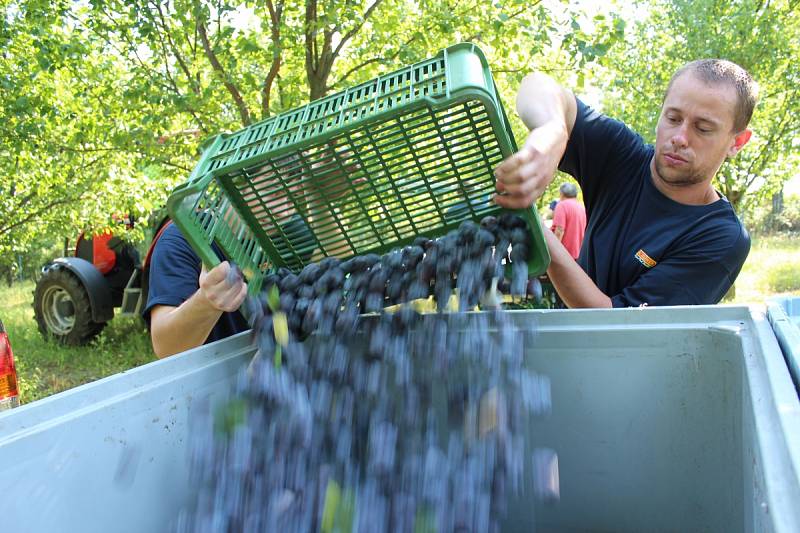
[777, 203]
[318, 87]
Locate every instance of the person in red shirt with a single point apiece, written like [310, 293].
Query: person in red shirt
[569, 219]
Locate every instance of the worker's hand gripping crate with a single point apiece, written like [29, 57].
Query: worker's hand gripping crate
[364, 170]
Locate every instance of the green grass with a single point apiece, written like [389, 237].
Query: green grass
[771, 269]
[45, 368]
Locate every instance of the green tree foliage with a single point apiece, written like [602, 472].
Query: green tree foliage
[763, 37]
[72, 152]
[105, 101]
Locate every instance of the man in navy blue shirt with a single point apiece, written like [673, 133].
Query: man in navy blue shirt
[188, 306]
[657, 233]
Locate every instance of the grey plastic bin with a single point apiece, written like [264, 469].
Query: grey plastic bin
[784, 315]
[671, 419]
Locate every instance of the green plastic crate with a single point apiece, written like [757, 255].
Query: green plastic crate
[364, 170]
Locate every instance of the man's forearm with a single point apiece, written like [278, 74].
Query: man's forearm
[573, 285]
[325, 226]
[335, 172]
[549, 111]
[541, 101]
[177, 329]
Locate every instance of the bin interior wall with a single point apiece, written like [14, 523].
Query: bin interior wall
[648, 431]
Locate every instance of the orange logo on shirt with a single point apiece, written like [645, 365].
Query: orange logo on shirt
[645, 259]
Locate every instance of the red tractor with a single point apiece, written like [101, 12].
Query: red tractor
[75, 296]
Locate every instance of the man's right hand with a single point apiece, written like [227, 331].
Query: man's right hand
[222, 289]
[548, 110]
[523, 177]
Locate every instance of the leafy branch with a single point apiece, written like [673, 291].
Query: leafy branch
[380, 59]
[275, 16]
[244, 113]
[62, 198]
[319, 62]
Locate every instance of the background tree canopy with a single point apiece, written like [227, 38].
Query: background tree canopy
[763, 37]
[105, 102]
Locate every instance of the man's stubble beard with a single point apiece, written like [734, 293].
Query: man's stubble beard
[681, 180]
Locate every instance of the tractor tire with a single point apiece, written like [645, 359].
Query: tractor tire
[62, 309]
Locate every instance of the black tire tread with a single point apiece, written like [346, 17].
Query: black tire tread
[85, 329]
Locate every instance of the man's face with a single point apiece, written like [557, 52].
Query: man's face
[695, 131]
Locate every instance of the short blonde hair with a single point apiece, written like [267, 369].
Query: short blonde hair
[722, 71]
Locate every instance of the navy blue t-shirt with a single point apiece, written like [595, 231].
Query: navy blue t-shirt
[640, 246]
[174, 272]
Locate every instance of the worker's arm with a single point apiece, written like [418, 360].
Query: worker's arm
[176, 329]
[336, 170]
[549, 111]
[558, 231]
[573, 285]
[325, 226]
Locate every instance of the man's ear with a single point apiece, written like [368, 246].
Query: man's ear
[739, 141]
